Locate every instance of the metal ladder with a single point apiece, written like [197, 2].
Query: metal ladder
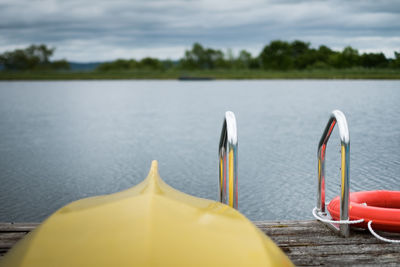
[228, 161]
[337, 117]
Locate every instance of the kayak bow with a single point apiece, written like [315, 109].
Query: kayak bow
[150, 224]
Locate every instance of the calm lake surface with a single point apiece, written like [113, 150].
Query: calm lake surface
[62, 141]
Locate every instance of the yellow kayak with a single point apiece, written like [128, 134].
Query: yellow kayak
[150, 224]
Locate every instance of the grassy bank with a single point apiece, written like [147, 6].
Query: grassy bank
[214, 74]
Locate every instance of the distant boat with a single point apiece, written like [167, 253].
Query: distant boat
[191, 78]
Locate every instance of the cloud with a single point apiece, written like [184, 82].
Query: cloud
[105, 30]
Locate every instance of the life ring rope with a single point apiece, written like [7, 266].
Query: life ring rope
[380, 237]
[319, 218]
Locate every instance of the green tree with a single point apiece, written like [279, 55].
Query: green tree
[348, 58]
[303, 56]
[317, 58]
[201, 58]
[216, 59]
[323, 57]
[18, 60]
[168, 64]
[230, 61]
[42, 52]
[395, 63]
[244, 60]
[60, 65]
[34, 57]
[119, 65]
[149, 63]
[373, 60]
[277, 55]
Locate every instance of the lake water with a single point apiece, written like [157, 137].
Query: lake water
[62, 141]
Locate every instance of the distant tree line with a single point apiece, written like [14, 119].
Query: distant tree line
[34, 57]
[282, 55]
[277, 55]
[147, 63]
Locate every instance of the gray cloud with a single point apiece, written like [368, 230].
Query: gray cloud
[104, 30]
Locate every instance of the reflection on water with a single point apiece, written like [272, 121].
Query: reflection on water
[61, 141]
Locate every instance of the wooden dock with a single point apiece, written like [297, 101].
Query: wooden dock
[307, 243]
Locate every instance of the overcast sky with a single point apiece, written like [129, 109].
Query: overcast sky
[105, 30]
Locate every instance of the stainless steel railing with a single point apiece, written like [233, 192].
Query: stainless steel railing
[337, 117]
[228, 150]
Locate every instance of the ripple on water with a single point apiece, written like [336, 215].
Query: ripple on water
[61, 141]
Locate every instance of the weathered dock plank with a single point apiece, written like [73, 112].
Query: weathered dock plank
[307, 243]
[310, 243]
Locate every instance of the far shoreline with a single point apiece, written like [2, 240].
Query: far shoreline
[207, 75]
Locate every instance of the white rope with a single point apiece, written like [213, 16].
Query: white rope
[319, 218]
[380, 237]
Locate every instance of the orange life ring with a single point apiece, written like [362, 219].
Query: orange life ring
[381, 207]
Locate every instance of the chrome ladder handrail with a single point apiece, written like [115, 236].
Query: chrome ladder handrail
[337, 117]
[228, 148]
